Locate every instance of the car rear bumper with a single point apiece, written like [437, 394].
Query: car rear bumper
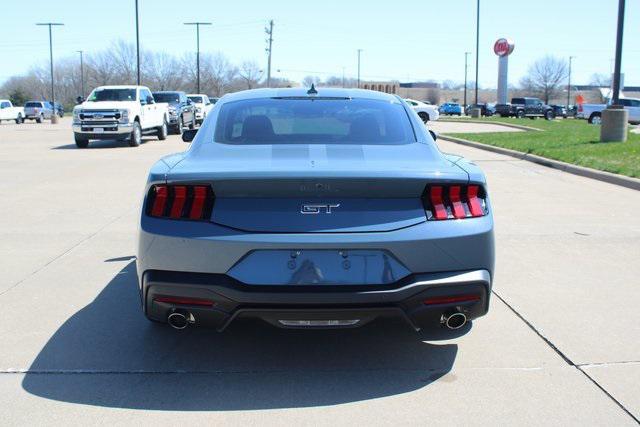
[411, 299]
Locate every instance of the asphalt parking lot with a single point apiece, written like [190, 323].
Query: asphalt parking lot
[561, 344]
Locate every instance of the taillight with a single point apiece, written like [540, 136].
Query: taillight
[194, 202]
[454, 201]
[580, 108]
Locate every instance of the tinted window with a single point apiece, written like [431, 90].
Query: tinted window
[196, 99]
[318, 120]
[517, 100]
[144, 94]
[5, 105]
[112, 95]
[33, 104]
[170, 97]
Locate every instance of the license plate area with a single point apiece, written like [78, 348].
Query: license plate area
[318, 267]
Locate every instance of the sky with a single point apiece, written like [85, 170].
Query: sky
[406, 40]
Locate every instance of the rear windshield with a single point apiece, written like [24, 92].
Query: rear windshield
[313, 120]
[112, 95]
[517, 100]
[33, 104]
[171, 97]
[196, 99]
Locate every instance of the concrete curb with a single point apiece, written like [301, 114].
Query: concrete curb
[608, 177]
[509, 125]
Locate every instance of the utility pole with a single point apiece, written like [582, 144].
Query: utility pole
[618, 63]
[342, 76]
[197, 24]
[81, 74]
[137, 46]
[359, 51]
[269, 32]
[569, 84]
[477, 47]
[466, 67]
[54, 116]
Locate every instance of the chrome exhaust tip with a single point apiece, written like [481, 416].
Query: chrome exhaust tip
[454, 321]
[180, 319]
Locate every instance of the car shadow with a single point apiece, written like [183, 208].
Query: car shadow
[103, 143]
[107, 354]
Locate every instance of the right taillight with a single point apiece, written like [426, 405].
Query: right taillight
[191, 202]
[454, 201]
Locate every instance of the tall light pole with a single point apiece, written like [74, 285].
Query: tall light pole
[197, 24]
[466, 67]
[54, 116]
[343, 76]
[618, 64]
[269, 32]
[569, 84]
[477, 47]
[359, 52]
[137, 47]
[81, 73]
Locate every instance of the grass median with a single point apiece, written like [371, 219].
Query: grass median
[571, 141]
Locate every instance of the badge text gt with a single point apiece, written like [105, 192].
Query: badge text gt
[316, 209]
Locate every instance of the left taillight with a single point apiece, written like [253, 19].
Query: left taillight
[454, 201]
[189, 202]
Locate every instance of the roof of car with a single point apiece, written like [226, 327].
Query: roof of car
[322, 92]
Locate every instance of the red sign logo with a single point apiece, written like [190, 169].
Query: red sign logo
[503, 47]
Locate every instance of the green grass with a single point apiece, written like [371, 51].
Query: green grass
[571, 141]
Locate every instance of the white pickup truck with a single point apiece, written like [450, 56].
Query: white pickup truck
[121, 113]
[592, 112]
[9, 112]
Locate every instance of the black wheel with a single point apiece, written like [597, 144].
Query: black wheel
[548, 115]
[136, 135]
[19, 119]
[40, 118]
[424, 117]
[520, 114]
[81, 142]
[162, 131]
[595, 119]
[178, 129]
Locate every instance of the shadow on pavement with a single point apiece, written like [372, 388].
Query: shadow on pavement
[108, 354]
[104, 143]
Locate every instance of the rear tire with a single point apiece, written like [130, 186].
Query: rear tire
[81, 142]
[549, 115]
[136, 135]
[162, 131]
[520, 114]
[178, 129]
[40, 118]
[595, 119]
[19, 119]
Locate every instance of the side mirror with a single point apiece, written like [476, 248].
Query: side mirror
[189, 134]
[79, 100]
[434, 135]
[150, 100]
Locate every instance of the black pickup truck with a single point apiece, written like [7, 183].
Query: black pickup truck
[525, 107]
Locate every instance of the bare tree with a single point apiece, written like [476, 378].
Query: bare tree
[250, 73]
[309, 80]
[546, 76]
[600, 80]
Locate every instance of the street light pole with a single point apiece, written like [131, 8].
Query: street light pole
[618, 64]
[466, 67]
[569, 84]
[54, 116]
[477, 47]
[359, 51]
[81, 74]
[197, 24]
[137, 46]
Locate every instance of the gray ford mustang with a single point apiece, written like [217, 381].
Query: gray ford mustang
[321, 208]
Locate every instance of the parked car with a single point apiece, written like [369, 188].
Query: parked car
[425, 111]
[182, 111]
[9, 112]
[120, 113]
[241, 226]
[525, 107]
[592, 112]
[486, 110]
[559, 110]
[59, 108]
[38, 111]
[450, 109]
[203, 105]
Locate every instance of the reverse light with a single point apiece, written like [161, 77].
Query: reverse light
[454, 201]
[190, 202]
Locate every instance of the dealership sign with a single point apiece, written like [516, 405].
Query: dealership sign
[503, 47]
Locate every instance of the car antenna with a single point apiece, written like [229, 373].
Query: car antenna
[313, 90]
